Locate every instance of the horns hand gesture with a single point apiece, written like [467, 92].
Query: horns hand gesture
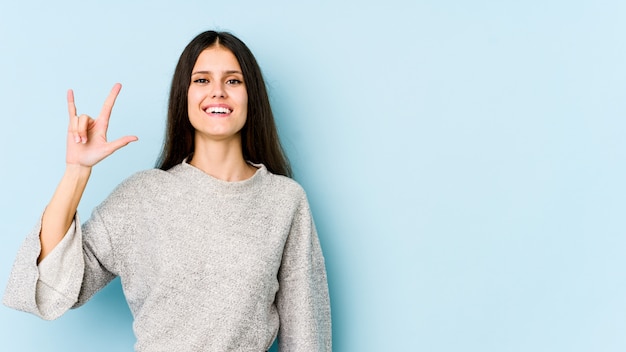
[87, 137]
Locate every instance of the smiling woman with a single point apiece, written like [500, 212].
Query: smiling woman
[216, 248]
[218, 103]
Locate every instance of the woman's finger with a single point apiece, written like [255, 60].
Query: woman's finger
[105, 113]
[71, 107]
[121, 142]
[83, 123]
[73, 129]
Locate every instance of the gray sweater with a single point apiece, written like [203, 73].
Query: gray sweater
[206, 265]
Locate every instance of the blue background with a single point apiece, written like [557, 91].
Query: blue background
[465, 161]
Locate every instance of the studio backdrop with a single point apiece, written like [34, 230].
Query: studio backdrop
[465, 161]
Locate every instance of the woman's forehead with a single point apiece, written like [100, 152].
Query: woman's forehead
[216, 59]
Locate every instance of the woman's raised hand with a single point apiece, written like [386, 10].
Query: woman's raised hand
[87, 137]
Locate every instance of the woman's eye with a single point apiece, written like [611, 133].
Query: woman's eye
[233, 81]
[201, 80]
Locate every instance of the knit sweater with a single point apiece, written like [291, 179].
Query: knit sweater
[205, 265]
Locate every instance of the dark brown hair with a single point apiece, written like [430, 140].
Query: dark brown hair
[259, 137]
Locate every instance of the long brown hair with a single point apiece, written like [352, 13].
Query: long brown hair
[259, 137]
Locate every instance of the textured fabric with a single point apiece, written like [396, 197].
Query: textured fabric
[206, 265]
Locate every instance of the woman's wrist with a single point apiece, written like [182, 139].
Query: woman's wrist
[77, 169]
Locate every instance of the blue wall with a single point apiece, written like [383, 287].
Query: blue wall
[465, 161]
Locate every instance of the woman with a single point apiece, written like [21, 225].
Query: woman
[216, 248]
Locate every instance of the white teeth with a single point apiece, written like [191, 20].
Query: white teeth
[218, 110]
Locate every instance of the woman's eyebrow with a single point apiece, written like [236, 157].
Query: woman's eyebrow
[229, 72]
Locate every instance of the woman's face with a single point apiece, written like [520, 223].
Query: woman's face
[217, 100]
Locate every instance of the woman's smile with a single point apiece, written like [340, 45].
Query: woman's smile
[218, 110]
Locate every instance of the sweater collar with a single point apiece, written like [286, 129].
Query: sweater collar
[199, 178]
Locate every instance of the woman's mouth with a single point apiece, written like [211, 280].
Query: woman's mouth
[218, 110]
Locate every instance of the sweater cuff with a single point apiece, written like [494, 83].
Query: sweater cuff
[60, 274]
[58, 267]
[50, 289]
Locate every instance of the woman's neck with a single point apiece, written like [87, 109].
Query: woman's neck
[222, 159]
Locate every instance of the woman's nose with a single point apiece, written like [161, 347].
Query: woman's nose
[218, 91]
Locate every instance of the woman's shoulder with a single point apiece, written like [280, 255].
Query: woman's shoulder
[286, 186]
[143, 181]
[140, 187]
[147, 176]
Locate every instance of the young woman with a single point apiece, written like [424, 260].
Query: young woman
[216, 248]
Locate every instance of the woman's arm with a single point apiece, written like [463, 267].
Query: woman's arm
[303, 300]
[59, 213]
[86, 146]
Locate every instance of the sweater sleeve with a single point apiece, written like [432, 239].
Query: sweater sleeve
[66, 278]
[302, 299]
